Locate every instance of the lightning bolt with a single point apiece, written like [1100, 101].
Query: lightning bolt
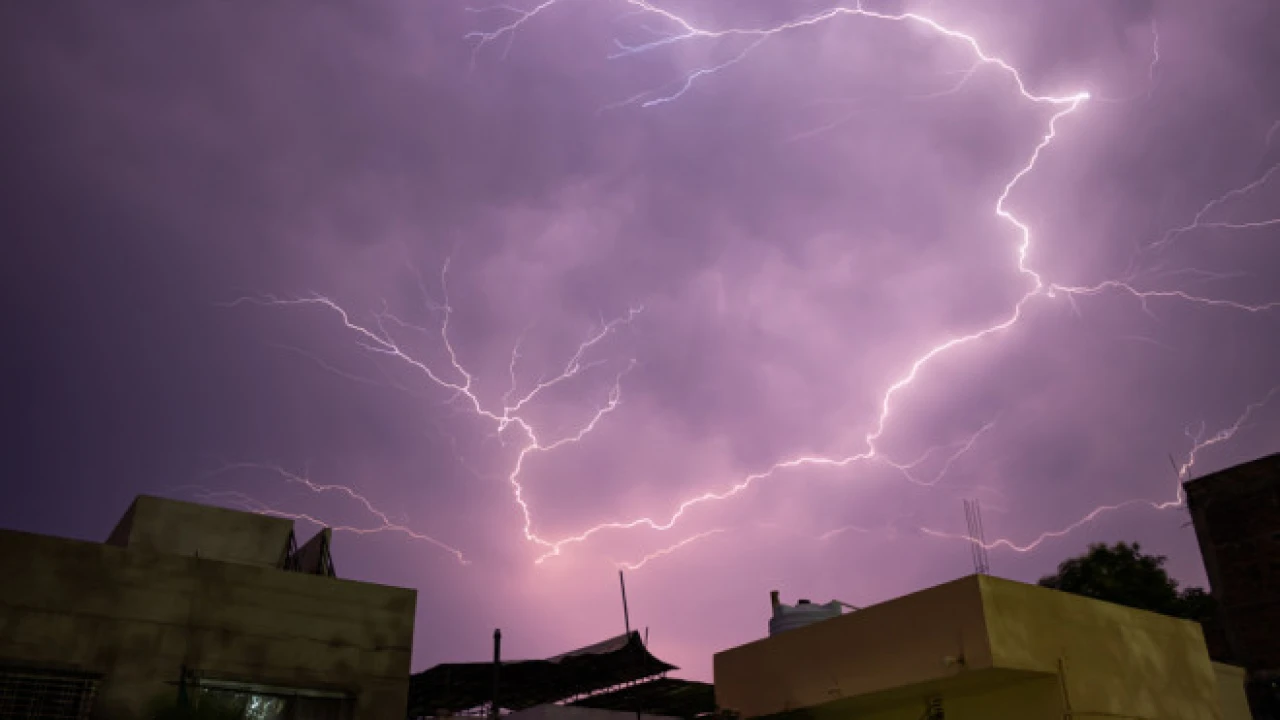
[380, 338]
[685, 31]
[668, 550]
[379, 335]
[907, 469]
[1064, 105]
[245, 502]
[1199, 443]
[1200, 223]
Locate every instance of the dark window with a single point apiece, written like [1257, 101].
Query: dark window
[45, 695]
[249, 703]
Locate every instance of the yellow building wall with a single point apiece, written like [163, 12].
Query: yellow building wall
[1231, 695]
[1029, 652]
[136, 617]
[884, 646]
[1114, 661]
[1007, 698]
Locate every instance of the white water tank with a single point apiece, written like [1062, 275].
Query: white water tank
[790, 617]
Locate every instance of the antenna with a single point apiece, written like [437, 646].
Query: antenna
[977, 537]
[626, 616]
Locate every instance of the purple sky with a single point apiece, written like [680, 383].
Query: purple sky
[772, 228]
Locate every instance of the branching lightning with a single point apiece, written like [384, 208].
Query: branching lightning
[379, 335]
[245, 502]
[1199, 443]
[1199, 222]
[908, 469]
[668, 550]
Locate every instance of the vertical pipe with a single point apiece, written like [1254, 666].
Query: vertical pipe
[497, 671]
[626, 616]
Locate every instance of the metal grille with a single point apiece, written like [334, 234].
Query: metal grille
[276, 704]
[40, 695]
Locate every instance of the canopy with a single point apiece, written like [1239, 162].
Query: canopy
[525, 683]
[661, 696]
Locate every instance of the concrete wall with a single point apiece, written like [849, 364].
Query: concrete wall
[1004, 698]
[881, 647]
[1029, 652]
[174, 527]
[1115, 661]
[136, 616]
[1231, 695]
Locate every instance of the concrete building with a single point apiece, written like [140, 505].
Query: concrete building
[1236, 513]
[215, 605]
[982, 648]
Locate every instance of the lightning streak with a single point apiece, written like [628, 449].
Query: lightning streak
[668, 550]
[1199, 443]
[1198, 222]
[378, 338]
[962, 449]
[253, 505]
[1064, 105]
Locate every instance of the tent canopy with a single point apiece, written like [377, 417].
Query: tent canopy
[526, 683]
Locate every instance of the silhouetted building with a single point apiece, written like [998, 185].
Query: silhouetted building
[1236, 513]
[188, 604]
[616, 679]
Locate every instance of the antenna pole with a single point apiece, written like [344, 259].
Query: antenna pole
[626, 615]
[494, 708]
[977, 537]
[982, 538]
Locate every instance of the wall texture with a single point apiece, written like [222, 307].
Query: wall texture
[174, 527]
[1231, 695]
[1028, 653]
[136, 616]
[878, 648]
[1113, 661]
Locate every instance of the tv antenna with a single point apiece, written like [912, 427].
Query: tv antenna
[977, 537]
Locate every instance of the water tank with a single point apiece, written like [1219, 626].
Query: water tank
[789, 617]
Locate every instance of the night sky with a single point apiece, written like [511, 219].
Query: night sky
[278, 256]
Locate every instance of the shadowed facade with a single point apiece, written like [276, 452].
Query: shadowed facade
[1236, 513]
[210, 604]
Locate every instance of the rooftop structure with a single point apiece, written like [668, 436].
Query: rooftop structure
[982, 648]
[616, 674]
[210, 604]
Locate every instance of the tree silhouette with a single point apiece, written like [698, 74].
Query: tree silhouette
[1124, 575]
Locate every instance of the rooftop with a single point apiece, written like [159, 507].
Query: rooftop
[176, 527]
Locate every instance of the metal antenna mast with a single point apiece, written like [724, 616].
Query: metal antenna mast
[977, 537]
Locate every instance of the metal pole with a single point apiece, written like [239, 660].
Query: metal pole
[497, 672]
[626, 616]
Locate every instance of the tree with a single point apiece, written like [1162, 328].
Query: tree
[1124, 575]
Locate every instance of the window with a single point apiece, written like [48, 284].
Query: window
[28, 694]
[256, 702]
